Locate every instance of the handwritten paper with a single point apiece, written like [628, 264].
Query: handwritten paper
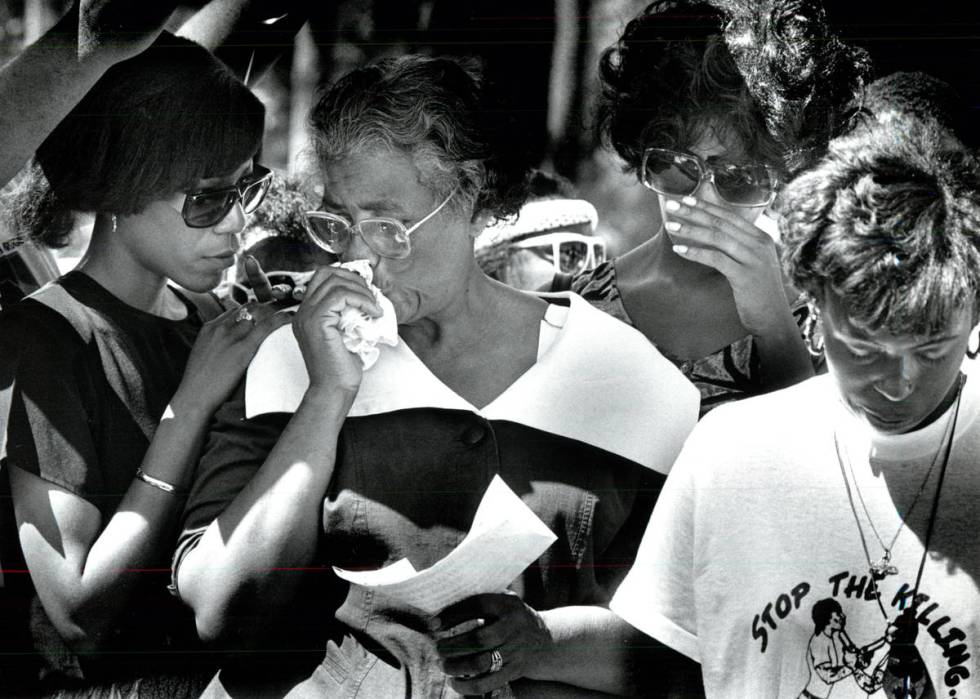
[505, 538]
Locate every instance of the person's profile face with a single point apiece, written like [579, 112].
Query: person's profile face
[837, 621]
[897, 383]
[195, 258]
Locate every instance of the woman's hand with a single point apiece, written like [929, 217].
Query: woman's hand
[744, 253]
[221, 353]
[263, 290]
[329, 293]
[499, 623]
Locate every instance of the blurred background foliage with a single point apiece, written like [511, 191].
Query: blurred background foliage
[541, 56]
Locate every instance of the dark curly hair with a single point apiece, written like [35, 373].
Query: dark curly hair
[151, 126]
[890, 221]
[670, 79]
[437, 110]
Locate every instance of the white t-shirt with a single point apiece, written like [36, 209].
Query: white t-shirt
[754, 527]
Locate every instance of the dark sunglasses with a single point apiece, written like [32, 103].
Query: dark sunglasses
[679, 174]
[208, 207]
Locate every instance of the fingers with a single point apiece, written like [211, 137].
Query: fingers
[704, 213]
[708, 234]
[263, 290]
[484, 681]
[331, 289]
[487, 606]
[710, 257]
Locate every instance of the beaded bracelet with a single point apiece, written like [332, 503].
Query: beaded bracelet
[156, 482]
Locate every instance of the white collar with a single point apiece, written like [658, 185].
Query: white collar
[601, 382]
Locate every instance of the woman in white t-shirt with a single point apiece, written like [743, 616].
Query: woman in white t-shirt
[853, 493]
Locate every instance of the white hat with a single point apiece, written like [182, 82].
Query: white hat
[539, 216]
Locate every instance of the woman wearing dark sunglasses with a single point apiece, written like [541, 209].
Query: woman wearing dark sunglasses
[335, 465]
[706, 288]
[109, 376]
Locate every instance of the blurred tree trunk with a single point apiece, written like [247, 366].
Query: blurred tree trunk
[39, 16]
[628, 212]
[303, 80]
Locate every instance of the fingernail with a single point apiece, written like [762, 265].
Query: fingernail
[672, 226]
[672, 205]
[690, 201]
[251, 259]
[680, 249]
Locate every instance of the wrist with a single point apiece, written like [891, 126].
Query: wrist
[776, 327]
[329, 398]
[546, 667]
[186, 407]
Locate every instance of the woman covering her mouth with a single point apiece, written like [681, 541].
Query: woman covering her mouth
[856, 491]
[577, 413]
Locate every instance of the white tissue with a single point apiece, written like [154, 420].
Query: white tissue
[362, 333]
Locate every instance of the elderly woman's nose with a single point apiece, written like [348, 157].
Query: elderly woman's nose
[359, 250]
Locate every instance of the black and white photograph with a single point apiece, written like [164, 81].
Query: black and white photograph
[379, 349]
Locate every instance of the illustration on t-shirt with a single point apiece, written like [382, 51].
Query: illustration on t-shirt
[832, 656]
[873, 658]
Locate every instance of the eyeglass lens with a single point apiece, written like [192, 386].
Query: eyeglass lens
[679, 174]
[386, 238]
[209, 208]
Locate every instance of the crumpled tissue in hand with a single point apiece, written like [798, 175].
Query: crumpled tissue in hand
[362, 333]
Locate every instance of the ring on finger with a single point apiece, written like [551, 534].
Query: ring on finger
[244, 315]
[496, 661]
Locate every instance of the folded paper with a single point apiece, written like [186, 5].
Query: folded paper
[505, 538]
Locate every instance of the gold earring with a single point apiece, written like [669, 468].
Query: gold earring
[115, 222]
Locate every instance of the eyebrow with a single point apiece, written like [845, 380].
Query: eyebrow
[933, 341]
[387, 205]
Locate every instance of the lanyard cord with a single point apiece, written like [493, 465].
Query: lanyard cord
[935, 499]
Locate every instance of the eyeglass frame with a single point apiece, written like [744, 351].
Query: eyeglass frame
[556, 238]
[355, 228]
[705, 171]
[265, 178]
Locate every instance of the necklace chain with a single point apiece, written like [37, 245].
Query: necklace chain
[883, 567]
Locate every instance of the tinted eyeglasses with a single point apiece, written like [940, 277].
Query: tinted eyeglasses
[387, 237]
[680, 174]
[208, 207]
[568, 252]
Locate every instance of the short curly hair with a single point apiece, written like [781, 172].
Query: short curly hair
[150, 126]
[890, 221]
[670, 79]
[437, 110]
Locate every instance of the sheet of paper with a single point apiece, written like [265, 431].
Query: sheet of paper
[505, 538]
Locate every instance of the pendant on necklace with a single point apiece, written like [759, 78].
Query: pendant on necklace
[883, 567]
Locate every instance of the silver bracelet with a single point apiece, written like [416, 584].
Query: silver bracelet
[156, 482]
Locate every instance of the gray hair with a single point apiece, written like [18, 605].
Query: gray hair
[432, 109]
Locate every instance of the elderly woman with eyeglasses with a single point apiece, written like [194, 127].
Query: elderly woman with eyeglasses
[706, 288]
[574, 411]
[109, 376]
